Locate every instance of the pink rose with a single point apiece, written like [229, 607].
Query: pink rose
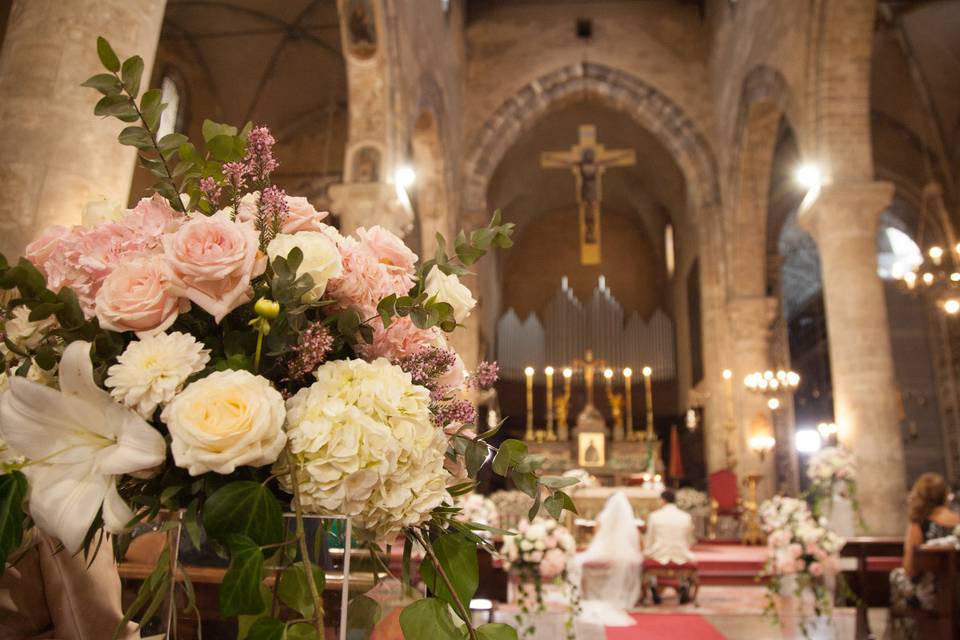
[137, 296]
[152, 218]
[213, 260]
[800, 564]
[301, 216]
[388, 248]
[786, 567]
[47, 246]
[455, 375]
[401, 338]
[816, 569]
[795, 550]
[553, 564]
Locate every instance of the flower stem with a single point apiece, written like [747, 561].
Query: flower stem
[458, 605]
[304, 549]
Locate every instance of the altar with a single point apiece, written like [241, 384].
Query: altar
[590, 500]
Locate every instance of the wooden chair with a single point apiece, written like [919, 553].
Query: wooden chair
[875, 558]
[671, 574]
[724, 499]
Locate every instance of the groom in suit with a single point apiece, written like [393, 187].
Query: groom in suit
[669, 538]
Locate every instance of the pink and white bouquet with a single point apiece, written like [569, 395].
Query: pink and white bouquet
[542, 546]
[833, 472]
[802, 552]
[220, 354]
[476, 507]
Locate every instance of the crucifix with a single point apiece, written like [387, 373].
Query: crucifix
[588, 160]
[589, 367]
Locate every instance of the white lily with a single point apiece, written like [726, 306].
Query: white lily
[78, 440]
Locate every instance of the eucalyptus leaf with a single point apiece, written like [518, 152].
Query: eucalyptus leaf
[557, 482]
[301, 631]
[107, 56]
[511, 452]
[363, 614]
[131, 73]
[476, 455]
[105, 83]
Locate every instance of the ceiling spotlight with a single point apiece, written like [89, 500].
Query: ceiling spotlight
[405, 176]
[809, 176]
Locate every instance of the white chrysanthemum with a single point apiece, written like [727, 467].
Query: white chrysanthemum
[365, 445]
[150, 372]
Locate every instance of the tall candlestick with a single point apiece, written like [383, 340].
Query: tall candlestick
[729, 424]
[615, 400]
[728, 393]
[648, 387]
[627, 390]
[550, 434]
[563, 425]
[529, 373]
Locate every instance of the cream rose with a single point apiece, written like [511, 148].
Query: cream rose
[138, 296]
[228, 419]
[321, 258]
[449, 289]
[213, 260]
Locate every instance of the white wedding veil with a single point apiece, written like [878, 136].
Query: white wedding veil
[615, 563]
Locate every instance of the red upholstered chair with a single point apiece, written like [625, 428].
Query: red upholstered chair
[724, 498]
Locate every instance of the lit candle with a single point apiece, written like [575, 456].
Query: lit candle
[627, 391]
[550, 434]
[648, 386]
[529, 373]
[562, 431]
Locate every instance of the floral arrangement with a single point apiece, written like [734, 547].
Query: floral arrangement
[540, 551]
[800, 549]
[692, 500]
[219, 355]
[476, 507]
[833, 471]
[512, 506]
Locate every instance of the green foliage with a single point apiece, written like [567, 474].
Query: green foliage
[363, 614]
[13, 491]
[246, 508]
[458, 557]
[513, 461]
[150, 596]
[240, 591]
[294, 590]
[266, 629]
[428, 618]
[496, 631]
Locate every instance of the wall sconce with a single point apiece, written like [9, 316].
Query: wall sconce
[762, 445]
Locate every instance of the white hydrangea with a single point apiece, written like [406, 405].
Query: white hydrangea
[151, 371]
[366, 447]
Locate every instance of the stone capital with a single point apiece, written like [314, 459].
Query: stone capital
[365, 204]
[846, 205]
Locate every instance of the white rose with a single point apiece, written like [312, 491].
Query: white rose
[539, 545]
[228, 419]
[526, 545]
[321, 258]
[447, 288]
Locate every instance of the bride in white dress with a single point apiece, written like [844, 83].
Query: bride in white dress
[612, 563]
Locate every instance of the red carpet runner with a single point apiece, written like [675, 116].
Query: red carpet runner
[665, 626]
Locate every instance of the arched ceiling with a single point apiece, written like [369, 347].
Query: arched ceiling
[653, 188]
[278, 62]
[915, 92]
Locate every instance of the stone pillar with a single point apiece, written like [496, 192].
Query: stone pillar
[843, 221]
[750, 322]
[55, 155]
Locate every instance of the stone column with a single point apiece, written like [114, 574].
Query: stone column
[55, 155]
[750, 322]
[843, 221]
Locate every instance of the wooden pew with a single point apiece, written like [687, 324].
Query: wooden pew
[942, 562]
[875, 557]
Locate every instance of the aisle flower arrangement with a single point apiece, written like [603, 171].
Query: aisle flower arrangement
[539, 552]
[802, 555]
[476, 507]
[220, 355]
[833, 471]
[692, 500]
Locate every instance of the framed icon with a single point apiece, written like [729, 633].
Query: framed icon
[591, 447]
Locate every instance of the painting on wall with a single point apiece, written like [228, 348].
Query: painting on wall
[361, 28]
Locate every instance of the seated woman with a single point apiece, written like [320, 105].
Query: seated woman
[929, 518]
[608, 571]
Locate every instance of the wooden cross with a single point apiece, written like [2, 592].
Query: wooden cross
[588, 160]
